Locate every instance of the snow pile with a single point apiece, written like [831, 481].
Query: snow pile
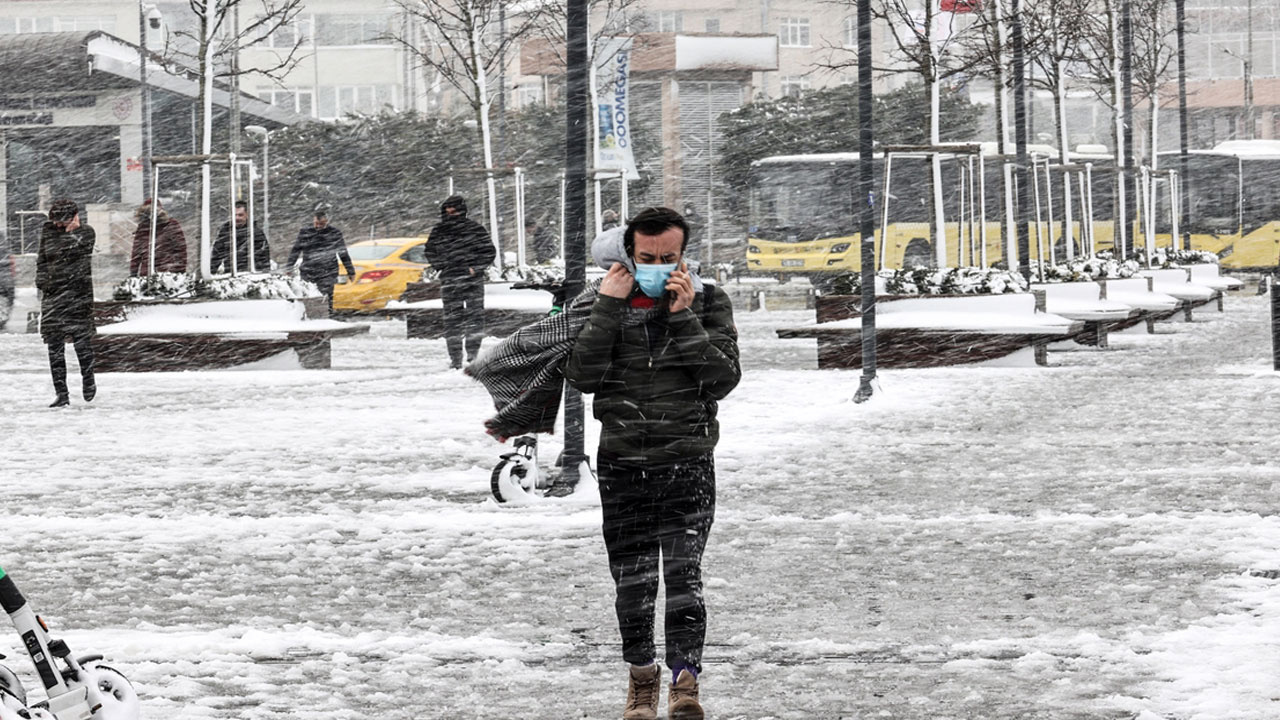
[1102, 265]
[930, 281]
[248, 286]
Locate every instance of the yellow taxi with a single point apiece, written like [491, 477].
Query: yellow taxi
[383, 269]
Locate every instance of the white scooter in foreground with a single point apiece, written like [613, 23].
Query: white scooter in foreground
[83, 690]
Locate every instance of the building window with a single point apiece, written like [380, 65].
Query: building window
[794, 32]
[298, 100]
[713, 25]
[851, 32]
[527, 95]
[350, 30]
[301, 31]
[338, 101]
[13, 25]
[670, 21]
[794, 85]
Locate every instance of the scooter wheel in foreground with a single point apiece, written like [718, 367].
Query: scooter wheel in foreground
[112, 691]
[513, 480]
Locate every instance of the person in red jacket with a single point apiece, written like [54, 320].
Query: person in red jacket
[171, 243]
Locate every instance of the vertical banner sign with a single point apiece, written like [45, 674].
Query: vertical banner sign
[613, 116]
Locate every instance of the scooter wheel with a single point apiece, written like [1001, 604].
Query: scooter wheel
[10, 684]
[113, 691]
[513, 480]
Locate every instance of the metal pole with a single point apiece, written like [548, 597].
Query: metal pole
[1128, 198]
[1020, 139]
[1183, 131]
[253, 264]
[1275, 321]
[266, 185]
[577, 104]
[146, 98]
[867, 213]
[155, 212]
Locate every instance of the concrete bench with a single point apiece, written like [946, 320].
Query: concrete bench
[217, 334]
[1177, 282]
[506, 309]
[1137, 293]
[933, 331]
[1210, 275]
[1084, 301]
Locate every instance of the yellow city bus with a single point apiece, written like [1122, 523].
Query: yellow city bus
[802, 219]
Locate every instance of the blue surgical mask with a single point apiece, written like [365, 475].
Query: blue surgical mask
[652, 279]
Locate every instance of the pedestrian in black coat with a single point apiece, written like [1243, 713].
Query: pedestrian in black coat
[320, 246]
[64, 277]
[221, 253]
[460, 250]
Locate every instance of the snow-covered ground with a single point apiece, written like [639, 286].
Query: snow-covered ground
[1088, 540]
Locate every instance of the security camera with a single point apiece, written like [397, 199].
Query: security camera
[153, 17]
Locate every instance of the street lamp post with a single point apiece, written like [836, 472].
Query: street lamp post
[265, 134]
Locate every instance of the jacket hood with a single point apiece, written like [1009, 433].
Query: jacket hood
[453, 201]
[609, 248]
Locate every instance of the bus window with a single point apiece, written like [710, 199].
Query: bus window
[919, 253]
[1213, 186]
[1261, 202]
[909, 188]
[792, 203]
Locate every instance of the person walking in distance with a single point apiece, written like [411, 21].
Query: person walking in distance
[64, 277]
[171, 242]
[659, 351]
[460, 251]
[220, 256]
[320, 246]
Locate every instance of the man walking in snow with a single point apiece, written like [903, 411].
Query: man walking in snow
[460, 251]
[320, 246]
[659, 350]
[221, 251]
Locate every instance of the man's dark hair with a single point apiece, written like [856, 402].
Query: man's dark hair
[242, 204]
[63, 210]
[654, 221]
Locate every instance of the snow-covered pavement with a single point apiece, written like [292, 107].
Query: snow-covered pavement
[1088, 540]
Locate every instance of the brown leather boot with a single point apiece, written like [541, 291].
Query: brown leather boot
[682, 701]
[642, 695]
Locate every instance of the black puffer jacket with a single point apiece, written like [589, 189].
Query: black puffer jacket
[459, 247]
[321, 249]
[64, 276]
[657, 376]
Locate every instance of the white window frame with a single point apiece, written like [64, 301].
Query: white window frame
[670, 21]
[851, 31]
[793, 85]
[794, 32]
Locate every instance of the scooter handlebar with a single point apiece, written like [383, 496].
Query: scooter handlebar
[10, 597]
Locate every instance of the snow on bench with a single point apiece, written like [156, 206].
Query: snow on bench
[505, 311]
[1137, 293]
[1084, 301]
[150, 336]
[1210, 275]
[933, 331]
[1177, 282]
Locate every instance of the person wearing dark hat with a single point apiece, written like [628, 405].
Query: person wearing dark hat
[221, 255]
[64, 277]
[460, 250]
[320, 246]
[171, 242]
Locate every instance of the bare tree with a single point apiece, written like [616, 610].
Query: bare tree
[213, 46]
[463, 45]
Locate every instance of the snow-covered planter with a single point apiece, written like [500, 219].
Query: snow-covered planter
[1103, 265]
[930, 281]
[187, 286]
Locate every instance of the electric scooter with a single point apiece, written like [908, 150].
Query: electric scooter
[84, 689]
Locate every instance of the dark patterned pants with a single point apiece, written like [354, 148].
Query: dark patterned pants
[463, 302]
[653, 512]
[58, 361]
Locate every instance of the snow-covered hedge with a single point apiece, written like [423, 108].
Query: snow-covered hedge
[1166, 258]
[1103, 265]
[931, 281]
[186, 286]
[548, 273]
